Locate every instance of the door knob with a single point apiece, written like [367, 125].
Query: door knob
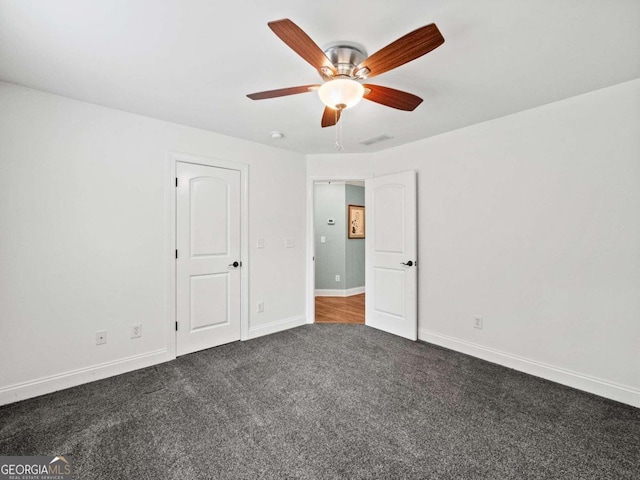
[235, 264]
[408, 264]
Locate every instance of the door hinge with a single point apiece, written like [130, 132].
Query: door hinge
[176, 181]
[176, 326]
[176, 253]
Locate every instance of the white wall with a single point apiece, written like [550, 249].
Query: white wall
[84, 228]
[532, 221]
[345, 166]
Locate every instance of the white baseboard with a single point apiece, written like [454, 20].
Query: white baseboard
[603, 388]
[53, 383]
[277, 326]
[73, 378]
[339, 293]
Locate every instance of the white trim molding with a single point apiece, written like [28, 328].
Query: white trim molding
[339, 293]
[73, 378]
[277, 326]
[603, 388]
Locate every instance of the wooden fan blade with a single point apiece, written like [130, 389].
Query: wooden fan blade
[301, 43]
[392, 98]
[330, 117]
[407, 48]
[282, 92]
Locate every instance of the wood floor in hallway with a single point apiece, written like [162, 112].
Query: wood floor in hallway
[340, 309]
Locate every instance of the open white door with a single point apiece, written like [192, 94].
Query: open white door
[208, 257]
[391, 254]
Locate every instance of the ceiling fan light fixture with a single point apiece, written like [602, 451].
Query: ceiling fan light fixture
[341, 93]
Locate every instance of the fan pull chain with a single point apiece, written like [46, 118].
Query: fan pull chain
[339, 145]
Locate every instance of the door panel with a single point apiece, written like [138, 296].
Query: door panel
[392, 283]
[209, 226]
[208, 242]
[391, 242]
[389, 231]
[209, 300]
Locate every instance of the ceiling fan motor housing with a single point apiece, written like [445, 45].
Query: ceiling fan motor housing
[345, 57]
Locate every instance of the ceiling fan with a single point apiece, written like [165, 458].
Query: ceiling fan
[344, 66]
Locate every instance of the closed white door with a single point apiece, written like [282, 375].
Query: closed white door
[208, 263]
[391, 254]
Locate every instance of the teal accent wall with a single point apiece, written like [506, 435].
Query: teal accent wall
[354, 256]
[329, 201]
[338, 255]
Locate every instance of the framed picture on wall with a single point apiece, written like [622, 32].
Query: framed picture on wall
[355, 225]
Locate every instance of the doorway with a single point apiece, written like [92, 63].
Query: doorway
[208, 271]
[339, 253]
[391, 255]
[209, 230]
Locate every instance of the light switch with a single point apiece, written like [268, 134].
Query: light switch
[260, 242]
[288, 242]
[323, 239]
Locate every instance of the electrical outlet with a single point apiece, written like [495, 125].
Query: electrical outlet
[260, 307]
[477, 323]
[136, 330]
[289, 242]
[337, 278]
[101, 337]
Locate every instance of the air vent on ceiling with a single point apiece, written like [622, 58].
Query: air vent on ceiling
[378, 139]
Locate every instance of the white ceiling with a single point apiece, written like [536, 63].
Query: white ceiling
[193, 61]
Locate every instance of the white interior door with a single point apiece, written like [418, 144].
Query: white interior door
[391, 254]
[208, 263]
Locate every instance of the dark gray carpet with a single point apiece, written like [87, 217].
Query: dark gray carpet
[328, 401]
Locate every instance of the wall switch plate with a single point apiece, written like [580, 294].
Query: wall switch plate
[101, 337]
[323, 239]
[477, 323]
[260, 307]
[288, 242]
[260, 242]
[337, 278]
[136, 330]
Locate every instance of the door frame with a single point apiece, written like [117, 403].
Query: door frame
[311, 245]
[171, 243]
